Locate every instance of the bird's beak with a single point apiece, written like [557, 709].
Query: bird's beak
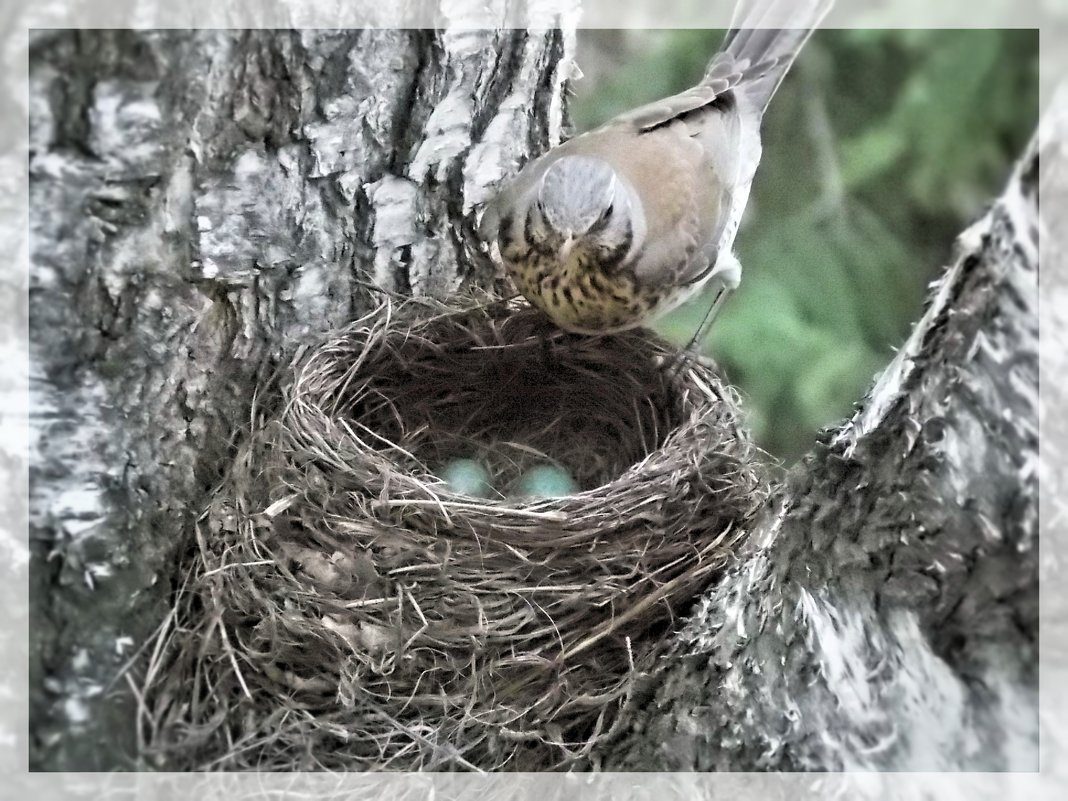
[567, 247]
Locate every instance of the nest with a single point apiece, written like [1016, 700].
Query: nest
[342, 608]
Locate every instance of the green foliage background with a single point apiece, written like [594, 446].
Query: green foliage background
[879, 148]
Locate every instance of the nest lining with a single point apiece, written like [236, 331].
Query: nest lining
[343, 609]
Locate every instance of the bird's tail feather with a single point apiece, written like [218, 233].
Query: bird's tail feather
[771, 31]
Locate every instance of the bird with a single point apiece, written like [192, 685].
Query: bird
[617, 226]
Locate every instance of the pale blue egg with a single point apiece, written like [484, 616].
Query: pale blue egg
[546, 481]
[467, 477]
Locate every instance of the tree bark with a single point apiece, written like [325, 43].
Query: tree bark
[203, 203]
[884, 614]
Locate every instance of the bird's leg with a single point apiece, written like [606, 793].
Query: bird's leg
[727, 272]
[685, 357]
[706, 323]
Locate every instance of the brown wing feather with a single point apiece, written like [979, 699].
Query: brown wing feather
[725, 74]
[722, 76]
[670, 165]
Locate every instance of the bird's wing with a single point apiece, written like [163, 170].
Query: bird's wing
[771, 32]
[753, 61]
[680, 179]
[682, 156]
[724, 74]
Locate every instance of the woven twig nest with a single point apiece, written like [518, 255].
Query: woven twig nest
[343, 608]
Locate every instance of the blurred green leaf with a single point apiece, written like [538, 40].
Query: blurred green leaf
[871, 154]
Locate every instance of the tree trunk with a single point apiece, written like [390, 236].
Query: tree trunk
[884, 614]
[204, 203]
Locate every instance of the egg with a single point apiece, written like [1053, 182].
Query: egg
[546, 481]
[467, 477]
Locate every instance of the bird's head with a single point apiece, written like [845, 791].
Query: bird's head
[585, 204]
